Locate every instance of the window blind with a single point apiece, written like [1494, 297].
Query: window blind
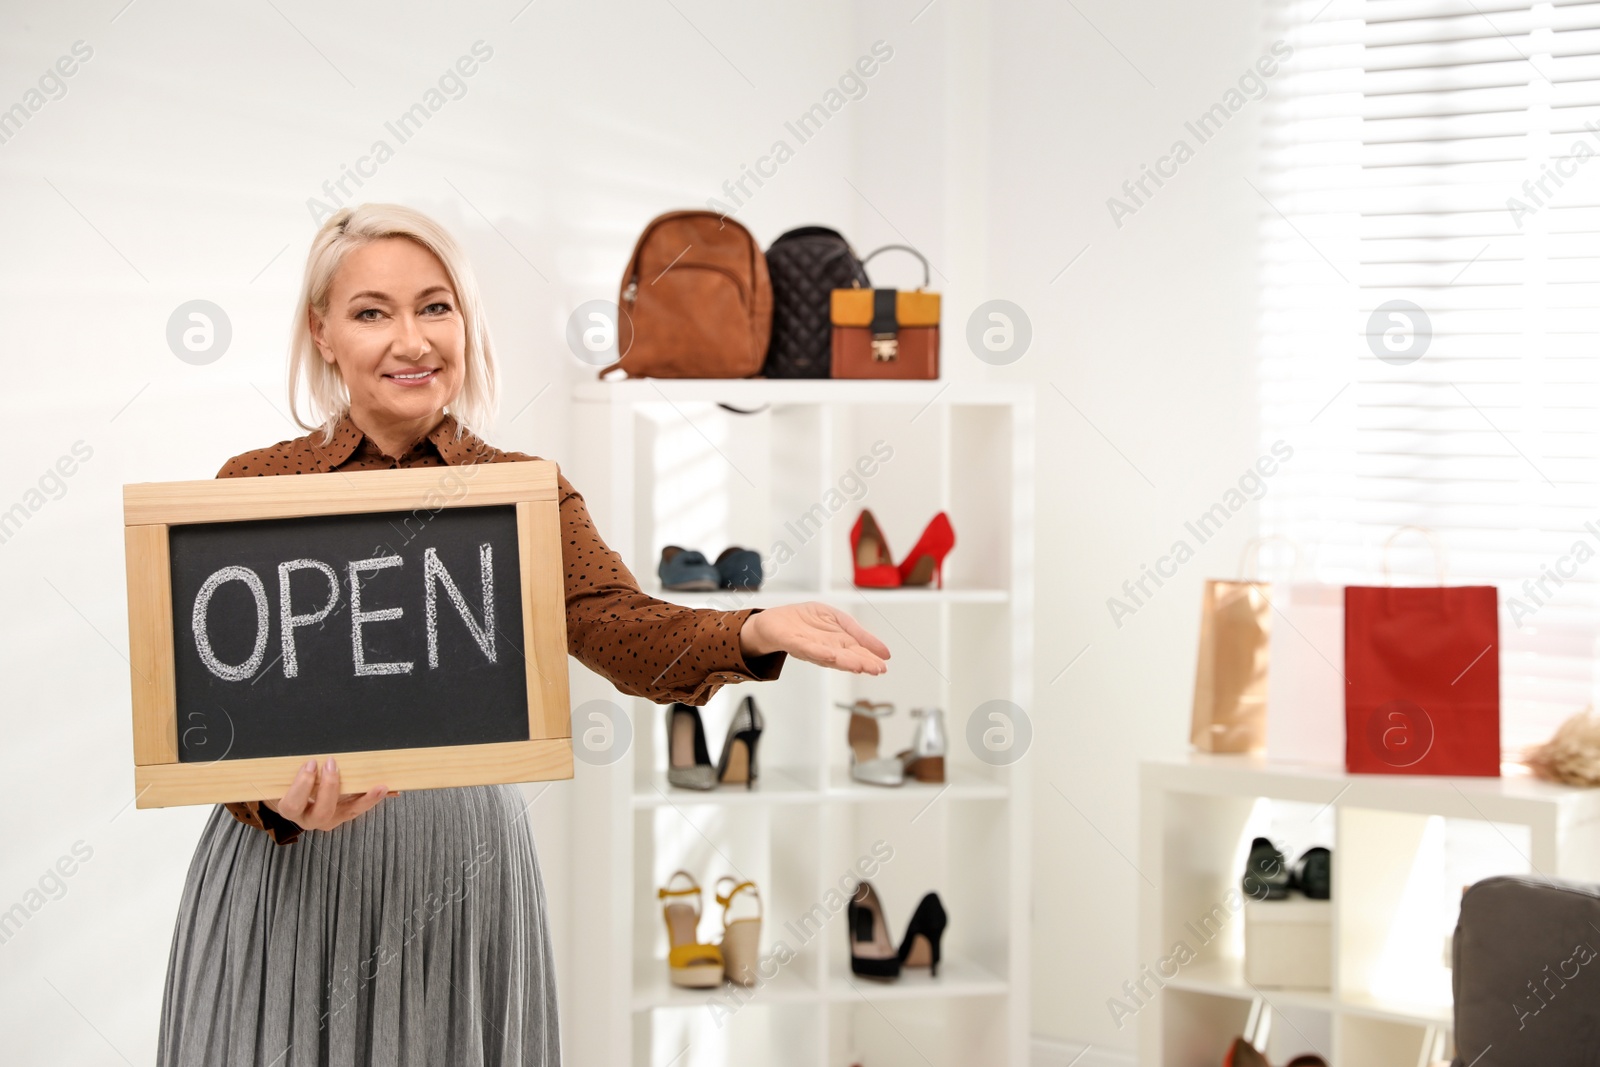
[1430, 237]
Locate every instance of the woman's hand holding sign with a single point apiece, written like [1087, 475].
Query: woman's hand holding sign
[315, 803]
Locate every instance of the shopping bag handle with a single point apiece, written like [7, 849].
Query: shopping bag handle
[1439, 557]
[1251, 555]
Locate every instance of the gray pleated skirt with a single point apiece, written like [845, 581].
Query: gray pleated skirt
[415, 935]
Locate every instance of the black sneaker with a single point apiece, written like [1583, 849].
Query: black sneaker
[1266, 872]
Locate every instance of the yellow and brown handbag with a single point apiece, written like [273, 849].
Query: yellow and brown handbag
[886, 333]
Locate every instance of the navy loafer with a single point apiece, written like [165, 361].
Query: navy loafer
[683, 570]
[739, 568]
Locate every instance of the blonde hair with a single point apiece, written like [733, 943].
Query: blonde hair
[326, 398]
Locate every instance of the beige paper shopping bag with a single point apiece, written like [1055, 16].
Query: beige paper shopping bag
[1230, 681]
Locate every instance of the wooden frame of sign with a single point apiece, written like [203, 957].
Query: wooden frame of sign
[152, 510]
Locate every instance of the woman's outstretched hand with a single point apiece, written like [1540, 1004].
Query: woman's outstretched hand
[314, 802]
[817, 634]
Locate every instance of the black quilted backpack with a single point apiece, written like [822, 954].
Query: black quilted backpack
[806, 265]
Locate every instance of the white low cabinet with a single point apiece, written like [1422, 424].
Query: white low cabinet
[1389, 1000]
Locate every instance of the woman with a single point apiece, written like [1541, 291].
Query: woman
[320, 928]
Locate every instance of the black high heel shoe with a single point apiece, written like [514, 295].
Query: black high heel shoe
[923, 934]
[737, 764]
[872, 954]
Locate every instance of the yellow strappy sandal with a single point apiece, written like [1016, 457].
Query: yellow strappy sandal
[689, 963]
[741, 938]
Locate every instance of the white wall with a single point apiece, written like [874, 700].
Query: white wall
[997, 160]
[1150, 335]
[178, 164]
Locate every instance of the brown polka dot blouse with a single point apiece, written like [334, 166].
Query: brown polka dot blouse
[643, 646]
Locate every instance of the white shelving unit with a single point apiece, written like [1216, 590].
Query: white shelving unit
[661, 463]
[1393, 899]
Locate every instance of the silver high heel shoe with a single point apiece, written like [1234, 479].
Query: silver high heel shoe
[688, 762]
[866, 765]
[924, 760]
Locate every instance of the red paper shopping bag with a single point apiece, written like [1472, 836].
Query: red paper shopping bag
[1422, 672]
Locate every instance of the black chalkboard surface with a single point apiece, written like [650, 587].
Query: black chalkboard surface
[409, 623]
[341, 633]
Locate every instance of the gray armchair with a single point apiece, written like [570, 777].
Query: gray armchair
[1527, 974]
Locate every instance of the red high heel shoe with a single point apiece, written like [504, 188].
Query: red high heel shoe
[925, 562]
[1243, 1054]
[874, 567]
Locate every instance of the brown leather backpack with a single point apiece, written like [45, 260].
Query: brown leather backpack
[696, 301]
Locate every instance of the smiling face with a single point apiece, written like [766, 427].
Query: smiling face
[394, 330]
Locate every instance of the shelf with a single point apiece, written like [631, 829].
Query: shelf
[775, 786]
[1398, 1011]
[964, 784]
[957, 978]
[1225, 978]
[662, 465]
[652, 989]
[734, 600]
[1507, 799]
[753, 392]
[780, 786]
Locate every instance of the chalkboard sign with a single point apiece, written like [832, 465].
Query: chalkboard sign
[409, 623]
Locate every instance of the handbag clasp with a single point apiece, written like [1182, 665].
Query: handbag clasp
[885, 326]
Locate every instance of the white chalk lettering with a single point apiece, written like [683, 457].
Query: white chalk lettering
[358, 617]
[289, 620]
[433, 575]
[202, 636]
